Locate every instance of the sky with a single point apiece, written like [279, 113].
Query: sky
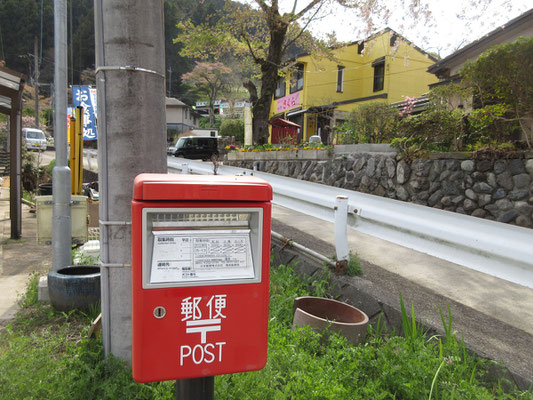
[454, 23]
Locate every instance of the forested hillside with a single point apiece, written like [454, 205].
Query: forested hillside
[22, 22]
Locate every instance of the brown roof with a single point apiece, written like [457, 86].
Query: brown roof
[171, 101]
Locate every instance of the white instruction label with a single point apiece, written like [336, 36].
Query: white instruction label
[195, 255]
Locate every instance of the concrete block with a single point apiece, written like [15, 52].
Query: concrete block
[91, 249]
[42, 289]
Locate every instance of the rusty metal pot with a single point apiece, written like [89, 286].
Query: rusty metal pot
[321, 313]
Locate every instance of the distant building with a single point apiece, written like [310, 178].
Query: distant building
[447, 70]
[319, 93]
[234, 109]
[449, 67]
[180, 117]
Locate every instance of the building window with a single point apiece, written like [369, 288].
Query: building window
[340, 78]
[360, 47]
[379, 73]
[280, 88]
[297, 78]
[392, 40]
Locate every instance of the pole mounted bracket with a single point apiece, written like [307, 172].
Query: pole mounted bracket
[129, 68]
[115, 223]
[108, 265]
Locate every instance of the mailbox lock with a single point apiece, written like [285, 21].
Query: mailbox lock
[160, 312]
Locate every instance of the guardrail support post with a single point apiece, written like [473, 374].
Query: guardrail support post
[341, 238]
[184, 168]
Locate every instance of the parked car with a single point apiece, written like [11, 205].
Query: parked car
[171, 150]
[197, 147]
[34, 139]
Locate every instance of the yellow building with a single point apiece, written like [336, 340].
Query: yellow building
[319, 93]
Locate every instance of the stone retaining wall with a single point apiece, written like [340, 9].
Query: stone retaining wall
[499, 190]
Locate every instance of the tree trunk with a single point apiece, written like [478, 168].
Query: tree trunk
[212, 98]
[269, 76]
[527, 130]
[211, 114]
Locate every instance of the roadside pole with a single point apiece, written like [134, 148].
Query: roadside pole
[61, 220]
[36, 79]
[130, 79]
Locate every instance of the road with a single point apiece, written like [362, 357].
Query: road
[43, 157]
[47, 156]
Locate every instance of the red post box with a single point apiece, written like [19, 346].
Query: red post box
[200, 275]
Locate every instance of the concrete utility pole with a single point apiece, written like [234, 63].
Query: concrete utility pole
[36, 79]
[61, 220]
[130, 76]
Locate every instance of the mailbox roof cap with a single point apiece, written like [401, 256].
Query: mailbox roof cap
[174, 187]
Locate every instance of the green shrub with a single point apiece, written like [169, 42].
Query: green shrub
[233, 127]
[502, 76]
[489, 125]
[47, 115]
[203, 122]
[30, 172]
[28, 111]
[438, 129]
[373, 122]
[345, 133]
[50, 166]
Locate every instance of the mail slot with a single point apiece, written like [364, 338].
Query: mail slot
[200, 275]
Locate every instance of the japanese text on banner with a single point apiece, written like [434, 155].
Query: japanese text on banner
[82, 97]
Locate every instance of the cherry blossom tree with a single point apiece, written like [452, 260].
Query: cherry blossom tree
[208, 79]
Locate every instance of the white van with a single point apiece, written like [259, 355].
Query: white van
[34, 139]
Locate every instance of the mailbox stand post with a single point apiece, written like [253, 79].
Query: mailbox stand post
[200, 276]
[196, 389]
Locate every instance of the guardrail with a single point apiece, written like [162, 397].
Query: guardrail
[494, 248]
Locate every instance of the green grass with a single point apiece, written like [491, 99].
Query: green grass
[81, 258]
[354, 266]
[45, 354]
[306, 365]
[28, 196]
